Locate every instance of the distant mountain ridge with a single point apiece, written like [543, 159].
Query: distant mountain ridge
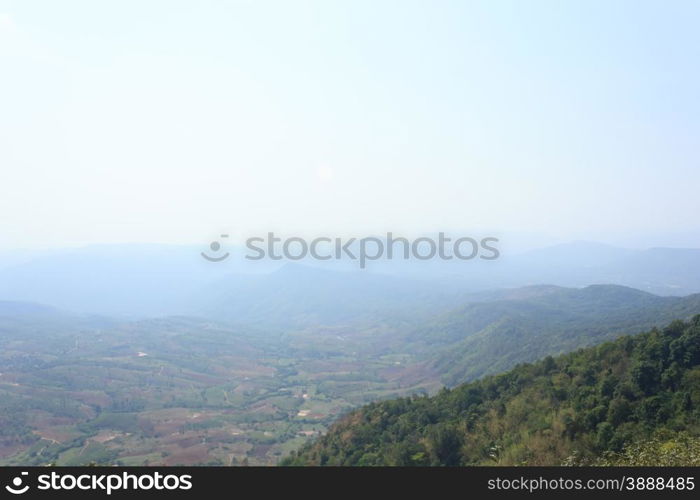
[662, 271]
[18, 308]
[151, 280]
[298, 295]
[491, 336]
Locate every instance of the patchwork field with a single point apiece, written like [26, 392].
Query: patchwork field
[179, 391]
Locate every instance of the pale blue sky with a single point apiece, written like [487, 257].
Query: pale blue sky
[167, 121]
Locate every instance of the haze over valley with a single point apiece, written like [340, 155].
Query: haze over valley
[134, 356]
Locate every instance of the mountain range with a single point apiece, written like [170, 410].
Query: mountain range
[503, 329]
[152, 280]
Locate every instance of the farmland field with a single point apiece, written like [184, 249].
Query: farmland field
[179, 391]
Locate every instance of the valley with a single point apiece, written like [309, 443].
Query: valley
[182, 390]
[177, 391]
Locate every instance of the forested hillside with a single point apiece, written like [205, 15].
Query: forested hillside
[492, 336]
[591, 406]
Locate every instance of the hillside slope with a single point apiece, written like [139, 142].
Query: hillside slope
[576, 407]
[490, 337]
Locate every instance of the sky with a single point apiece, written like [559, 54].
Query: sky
[166, 121]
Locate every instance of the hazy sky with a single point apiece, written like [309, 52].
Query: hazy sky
[172, 121]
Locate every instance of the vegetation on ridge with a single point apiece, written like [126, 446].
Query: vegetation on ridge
[576, 408]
